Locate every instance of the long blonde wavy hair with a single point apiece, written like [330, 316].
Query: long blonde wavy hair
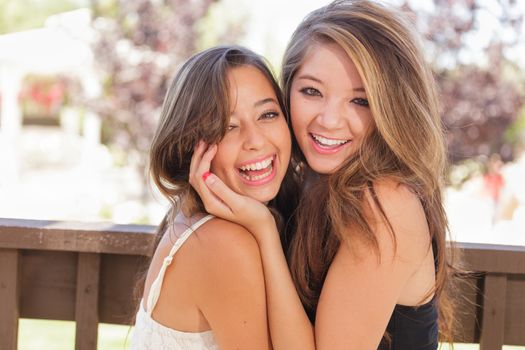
[407, 143]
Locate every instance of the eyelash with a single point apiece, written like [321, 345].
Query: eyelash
[264, 116]
[269, 115]
[310, 91]
[360, 102]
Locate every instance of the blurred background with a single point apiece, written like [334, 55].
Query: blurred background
[82, 82]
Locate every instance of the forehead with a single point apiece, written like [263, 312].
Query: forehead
[248, 84]
[330, 63]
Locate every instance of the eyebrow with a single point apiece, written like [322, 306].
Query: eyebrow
[310, 77]
[264, 101]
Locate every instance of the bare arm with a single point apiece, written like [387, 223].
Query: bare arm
[361, 291]
[289, 325]
[229, 288]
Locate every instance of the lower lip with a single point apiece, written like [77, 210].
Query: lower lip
[263, 181]
[323, 150]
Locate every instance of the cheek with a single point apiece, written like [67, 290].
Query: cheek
[280, 136]
[367, 123]
[220, 161]
[296, 120]
[302, 112]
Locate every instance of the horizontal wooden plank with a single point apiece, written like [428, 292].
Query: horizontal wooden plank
[77, 236]
[494, 258]
[119, 276]
[48, 285]
[138, 240]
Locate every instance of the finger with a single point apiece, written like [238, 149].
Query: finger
[212, 203]
[220, 190]
[205, 161]
[196, 157]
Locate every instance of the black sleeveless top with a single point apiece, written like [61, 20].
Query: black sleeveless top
[411, 327]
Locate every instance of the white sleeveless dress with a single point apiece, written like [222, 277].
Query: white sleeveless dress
[149, 334]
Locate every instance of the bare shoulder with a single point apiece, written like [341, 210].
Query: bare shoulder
[226, 269]
[407, 221]
[220, 236]
[223, 248]
[394, 195]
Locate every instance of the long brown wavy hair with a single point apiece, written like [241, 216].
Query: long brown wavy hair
[195, 108]
[407, 143]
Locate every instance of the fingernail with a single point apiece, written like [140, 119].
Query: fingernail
[205, 175]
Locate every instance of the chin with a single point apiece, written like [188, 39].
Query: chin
[263, 196]
[322, 167]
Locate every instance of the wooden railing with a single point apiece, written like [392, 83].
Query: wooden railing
[86, 273]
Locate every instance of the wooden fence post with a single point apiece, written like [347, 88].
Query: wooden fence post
[493, 326]
[86, 307]
[9, 298]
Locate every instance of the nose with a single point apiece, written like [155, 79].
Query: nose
[330, 115]
[253, 137]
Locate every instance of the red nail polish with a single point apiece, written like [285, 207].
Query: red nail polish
[205, 175]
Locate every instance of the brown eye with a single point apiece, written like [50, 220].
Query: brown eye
[360, 101]
[269, 115]
[310, 91]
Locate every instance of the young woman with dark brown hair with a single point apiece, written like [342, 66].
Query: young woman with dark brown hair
[368, 260]
[205, 286]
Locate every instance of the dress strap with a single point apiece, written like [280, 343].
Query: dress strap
[156, 286]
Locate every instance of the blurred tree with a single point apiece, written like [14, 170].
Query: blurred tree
[481, 88]
[140, 44]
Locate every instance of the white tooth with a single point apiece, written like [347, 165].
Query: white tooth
[258, 177]
[257, 165]
[328, 142]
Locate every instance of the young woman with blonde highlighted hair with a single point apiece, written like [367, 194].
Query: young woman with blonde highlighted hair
[368, 260]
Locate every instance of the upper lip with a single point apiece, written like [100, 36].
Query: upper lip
[256, 160]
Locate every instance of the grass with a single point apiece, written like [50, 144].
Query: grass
[60, 335]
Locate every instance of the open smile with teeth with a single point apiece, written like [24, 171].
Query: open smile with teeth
[258, 170]
[328, 143]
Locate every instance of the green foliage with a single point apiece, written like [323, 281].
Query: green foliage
[463, 171]
[224, 24]
[28, 14]
[515, 134]
[60, 335]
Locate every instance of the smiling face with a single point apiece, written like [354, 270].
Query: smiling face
[329, 108]
[253, 156]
